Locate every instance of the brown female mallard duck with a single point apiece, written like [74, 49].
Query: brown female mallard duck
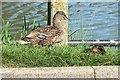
[95, 49]
[46, 35]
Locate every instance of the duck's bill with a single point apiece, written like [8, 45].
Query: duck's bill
[23, 42]
[67, 18]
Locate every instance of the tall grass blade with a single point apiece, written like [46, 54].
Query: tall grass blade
[6, 30]
[3, 22]
[21, 35]
[33, 25]
[73, 33]
[25, 24]
[39, 24]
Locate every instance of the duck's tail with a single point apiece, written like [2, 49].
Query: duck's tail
[23, 42]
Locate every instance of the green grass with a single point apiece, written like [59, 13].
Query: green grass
[4, 36]
[30, 56]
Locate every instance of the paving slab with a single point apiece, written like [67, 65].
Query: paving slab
[48, 72]
[106, 71]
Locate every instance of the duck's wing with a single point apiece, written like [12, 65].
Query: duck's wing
[42, 36]
[51, 37]
[40, 30]
[34, 37]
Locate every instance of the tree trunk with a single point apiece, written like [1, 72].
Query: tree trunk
[61, 5]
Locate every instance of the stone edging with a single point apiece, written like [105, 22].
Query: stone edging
[61, 72]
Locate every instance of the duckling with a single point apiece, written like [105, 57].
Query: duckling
[46, 35]
[98, 49]
[95, 49]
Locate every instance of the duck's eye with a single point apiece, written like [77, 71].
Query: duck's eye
[46, 29]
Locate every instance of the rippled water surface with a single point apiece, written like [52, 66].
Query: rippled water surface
[94, 20]
[15, 11]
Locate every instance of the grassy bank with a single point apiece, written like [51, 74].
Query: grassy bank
[30, 56]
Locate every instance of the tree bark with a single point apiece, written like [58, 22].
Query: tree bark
[61, 5]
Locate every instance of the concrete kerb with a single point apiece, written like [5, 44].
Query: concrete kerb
[48, 72]
[106, 71]
[61, 72]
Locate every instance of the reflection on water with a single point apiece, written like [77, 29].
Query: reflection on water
[95, 20]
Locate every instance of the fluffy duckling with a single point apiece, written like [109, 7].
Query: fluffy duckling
[96, 49]
[46, 35]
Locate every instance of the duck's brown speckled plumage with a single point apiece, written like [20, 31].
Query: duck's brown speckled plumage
[52, 32]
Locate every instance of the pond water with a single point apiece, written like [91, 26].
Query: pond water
[92, 20]
[95, 20]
